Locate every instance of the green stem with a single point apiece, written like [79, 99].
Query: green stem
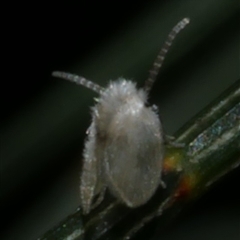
[212, 149]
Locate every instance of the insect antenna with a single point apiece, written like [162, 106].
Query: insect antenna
[162, 54]
[79, 80]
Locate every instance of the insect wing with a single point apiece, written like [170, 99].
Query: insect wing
[133, 161]
[89, 175]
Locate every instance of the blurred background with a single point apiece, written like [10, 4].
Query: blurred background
[44, 119]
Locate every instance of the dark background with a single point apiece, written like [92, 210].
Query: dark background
[44, 119]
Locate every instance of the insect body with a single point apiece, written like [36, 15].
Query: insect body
[124, 149]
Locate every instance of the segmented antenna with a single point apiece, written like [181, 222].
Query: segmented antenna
[79, 80]
[162, 54]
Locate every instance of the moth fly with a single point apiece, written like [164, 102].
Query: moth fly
[124, 149]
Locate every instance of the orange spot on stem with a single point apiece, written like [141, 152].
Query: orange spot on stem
[185, 187]
[171, 163]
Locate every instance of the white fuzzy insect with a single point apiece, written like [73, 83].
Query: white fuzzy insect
[124, 149]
